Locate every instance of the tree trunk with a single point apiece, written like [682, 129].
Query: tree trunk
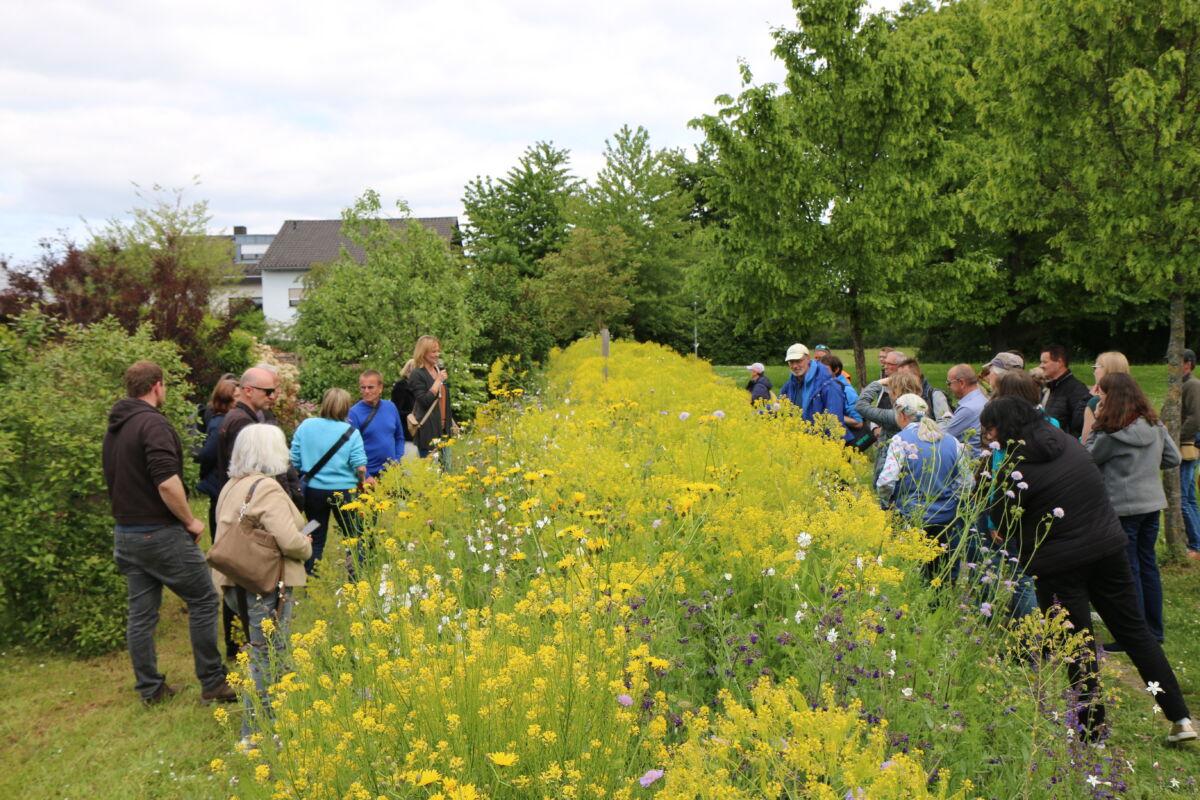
[1172, 412]
[856, 341]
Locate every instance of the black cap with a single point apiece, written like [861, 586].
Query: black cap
[1189, 355]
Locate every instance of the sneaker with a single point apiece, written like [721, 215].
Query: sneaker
[223, 693]
[1194, 555]
[245, 745]
[161, 695]
[1181, 731]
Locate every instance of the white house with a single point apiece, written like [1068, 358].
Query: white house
[301, 244]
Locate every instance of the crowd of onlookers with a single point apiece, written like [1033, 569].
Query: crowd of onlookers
[276, 497]
[1030, 467]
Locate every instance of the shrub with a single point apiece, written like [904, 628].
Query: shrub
[60, 587]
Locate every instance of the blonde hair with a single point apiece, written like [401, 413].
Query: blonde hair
[423, 346]
[1113, 363]
[915, 408]
[903, 383]
[407, 369]
[335, 404]
[259, 449]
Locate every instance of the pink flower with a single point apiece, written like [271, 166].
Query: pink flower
[1016, 476]
[986, 609]
[650, 777]
[1059, 513]
[624, 699]
[683, 415]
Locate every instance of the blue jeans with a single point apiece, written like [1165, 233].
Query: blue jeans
[266, 652]
[1191, 512]
[150, 560]
[1142, 530]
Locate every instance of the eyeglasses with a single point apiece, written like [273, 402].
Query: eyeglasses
[267, 392]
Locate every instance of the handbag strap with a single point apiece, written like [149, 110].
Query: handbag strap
[371, 416]
[249, 494]
[428, 411]
[323, 460]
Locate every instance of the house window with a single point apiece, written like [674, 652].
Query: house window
[295, 296]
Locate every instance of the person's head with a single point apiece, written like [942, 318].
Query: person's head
[427, 351]
[1122, 401]
[835, 365]
[961, 380]
[1054, 362]
[910, 408]
[1020, 384]
[259, 449]
[756, 370]
[144, 381]
[222, 395]
[370, 386]
[798, 360]
[1110, 363]
[407, 369]
[259, 387]
[1189, 361]
[1003, 419]
[911, 365]
[903, 383]
[335, 404]
[1000, 365]
[892, 361]
[883, 351]
[821, 353]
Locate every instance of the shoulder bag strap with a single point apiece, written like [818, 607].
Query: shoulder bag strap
[370, 417]
[249, 494]
[323, 460]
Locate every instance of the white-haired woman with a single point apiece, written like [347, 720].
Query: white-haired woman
[259, 453]
[924, 473]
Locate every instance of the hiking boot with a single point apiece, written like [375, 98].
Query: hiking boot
[223, 693]
[161, 695]
[1181, 731]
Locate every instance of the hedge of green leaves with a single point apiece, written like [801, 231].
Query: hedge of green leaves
[59, 586]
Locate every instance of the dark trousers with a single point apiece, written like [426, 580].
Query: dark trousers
[1142, 530]
[1107, 584]
[318, 504]
[169, 557]
[232, 645]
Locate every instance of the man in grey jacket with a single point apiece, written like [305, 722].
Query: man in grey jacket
[1189, 434]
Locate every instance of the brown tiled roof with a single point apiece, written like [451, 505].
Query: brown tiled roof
[304, 242]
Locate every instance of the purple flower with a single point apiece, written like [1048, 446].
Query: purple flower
[1059, 513]
[650, 777]
[656, 523]
[624, 699]
[1016, 476]
[719, 414]
[1022, 486]
[994, 445]
[887, 764]
[986, 609]
[683, 415]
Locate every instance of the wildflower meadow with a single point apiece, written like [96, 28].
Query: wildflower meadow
[628, 583]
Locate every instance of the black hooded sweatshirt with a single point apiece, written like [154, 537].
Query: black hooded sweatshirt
[141, 450]
[1059, 475]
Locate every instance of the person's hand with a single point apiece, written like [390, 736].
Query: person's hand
[443, 376]
[884, 381]
[369, 481]
[997, 538]
[195, 528]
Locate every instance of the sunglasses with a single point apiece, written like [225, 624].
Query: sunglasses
[267, 392]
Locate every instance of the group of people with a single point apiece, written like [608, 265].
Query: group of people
[1070, 478]
[249, 473]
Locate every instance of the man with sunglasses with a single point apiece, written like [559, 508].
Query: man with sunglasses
[259, 387]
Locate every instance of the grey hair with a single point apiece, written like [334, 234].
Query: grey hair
[259, 449]
[268, 368]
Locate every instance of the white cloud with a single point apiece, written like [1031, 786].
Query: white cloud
[292, 109]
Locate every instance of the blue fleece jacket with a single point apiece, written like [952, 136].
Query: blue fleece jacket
[384, 439]
[818, 393]
[313, 439]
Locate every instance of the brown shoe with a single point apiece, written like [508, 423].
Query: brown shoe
[1194, 555]
[161, 695]
[223, 693]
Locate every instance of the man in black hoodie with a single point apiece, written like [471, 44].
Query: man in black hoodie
[156, 534]
[1066, 396]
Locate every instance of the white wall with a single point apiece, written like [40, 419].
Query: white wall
[275, 286]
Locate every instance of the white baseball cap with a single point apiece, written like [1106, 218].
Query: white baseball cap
[756, 367]
[796, 352]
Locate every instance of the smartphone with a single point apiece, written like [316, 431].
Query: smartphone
[308, 529]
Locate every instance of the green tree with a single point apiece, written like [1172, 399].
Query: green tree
[831, 207]
[1094, 107]
[512, 224]
[367, 312]
[638, 192]
[59, 586]
[588, 284]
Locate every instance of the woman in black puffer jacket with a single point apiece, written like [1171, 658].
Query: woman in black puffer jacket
[1068, 537]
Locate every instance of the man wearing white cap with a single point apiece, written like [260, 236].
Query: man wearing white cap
[759, 385]
[812, 388]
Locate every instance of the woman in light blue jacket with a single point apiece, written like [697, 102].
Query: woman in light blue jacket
[342, 472]
[1131, 448]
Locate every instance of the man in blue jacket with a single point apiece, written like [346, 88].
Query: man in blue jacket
[812, 388]
[379, 423]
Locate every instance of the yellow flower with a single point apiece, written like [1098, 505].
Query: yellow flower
[221, 716]
[426, 777]
[262, 773]
[217, 765]
[501, 759]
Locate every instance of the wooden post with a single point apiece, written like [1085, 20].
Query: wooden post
[604, 341]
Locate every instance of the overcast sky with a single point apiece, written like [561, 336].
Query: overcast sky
[290, 110]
